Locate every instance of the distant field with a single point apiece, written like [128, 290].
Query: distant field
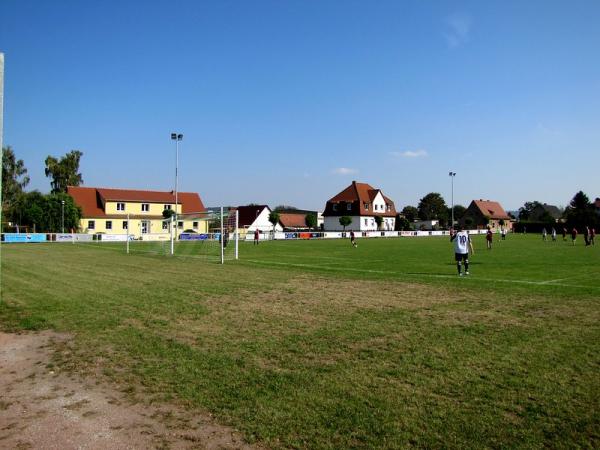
[315, 344]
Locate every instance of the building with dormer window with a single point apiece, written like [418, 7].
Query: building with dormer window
[362, 203]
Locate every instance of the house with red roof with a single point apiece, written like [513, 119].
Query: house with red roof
[137, 212]
[252, 217]
[481, 213]
[293, 221]
[362, 203]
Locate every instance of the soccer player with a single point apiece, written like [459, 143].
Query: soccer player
[462, 245]
[586, 235]
[544, 234]
[592, 236]
[553, 234]
[256, 236]
[574, 235]
[488, 238]
[352, 239]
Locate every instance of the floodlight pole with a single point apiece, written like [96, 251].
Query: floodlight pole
[172, 240]
[127, 236]
[452, 175]
[1, 147]
[237, 237]
[222, 239]
[177, 137]
[62, 221]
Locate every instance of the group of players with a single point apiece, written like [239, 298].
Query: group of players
[463, 244]
[589, 235]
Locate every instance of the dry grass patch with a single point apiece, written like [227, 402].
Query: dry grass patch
[302, 305]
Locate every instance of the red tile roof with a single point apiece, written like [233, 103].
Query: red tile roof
[291, 220]
[92, 200]
[362, 193]
[491, 209]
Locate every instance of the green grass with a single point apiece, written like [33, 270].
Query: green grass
[320, 345]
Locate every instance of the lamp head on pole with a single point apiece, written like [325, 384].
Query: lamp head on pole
[176, 136]
[451, 174]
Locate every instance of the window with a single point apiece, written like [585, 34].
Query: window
[91, 224]
[366, 206]
[349, 206]
[120, 206]
[366, 222]
[165, 225]
[145, 207]
[335, 206]
[195, 225]
[167, 207]
[180, 224]
[109, 224]
[376, 207]
[388, 207]
[124, 224]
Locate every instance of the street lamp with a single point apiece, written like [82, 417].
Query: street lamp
[177, 137]
[62, 223]
[452, 175]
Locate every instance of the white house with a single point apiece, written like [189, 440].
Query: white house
[362, 203]
[252, 217]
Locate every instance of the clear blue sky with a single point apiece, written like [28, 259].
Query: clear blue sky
[287, 102]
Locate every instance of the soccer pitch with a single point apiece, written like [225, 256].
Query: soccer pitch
[316, 344]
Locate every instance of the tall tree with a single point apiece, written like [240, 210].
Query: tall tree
[580, 212]
[311, 220]
[14, 178]
[459, 212]
[378, 221]
[410, 213]
[274, 219]
[432, 207]
[64, 171]
[345, 221]
[45, 213]
[526, 211]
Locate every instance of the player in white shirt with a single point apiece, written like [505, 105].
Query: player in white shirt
[462, 245]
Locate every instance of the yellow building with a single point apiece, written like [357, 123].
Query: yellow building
[112, 211]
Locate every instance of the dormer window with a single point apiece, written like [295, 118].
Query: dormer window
[335, 207]
[349, 206]
[120, 206]
[169, 207]
[366, 206]
[145, 207]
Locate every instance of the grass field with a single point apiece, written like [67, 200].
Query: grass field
[320, 345]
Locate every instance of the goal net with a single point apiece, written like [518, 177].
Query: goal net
[212, 236]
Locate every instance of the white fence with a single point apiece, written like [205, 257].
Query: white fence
[279, 235]
[305, 235]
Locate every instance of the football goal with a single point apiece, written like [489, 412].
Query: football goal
[211, 235]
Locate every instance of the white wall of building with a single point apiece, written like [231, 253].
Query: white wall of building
[359, 223]
[263, 224]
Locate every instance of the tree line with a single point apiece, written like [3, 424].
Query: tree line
[580, 213]
[33, 211]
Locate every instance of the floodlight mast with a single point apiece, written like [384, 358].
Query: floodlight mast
[452, 175]
[177, 137]
[1, 147]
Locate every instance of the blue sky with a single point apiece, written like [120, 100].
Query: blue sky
[287, 102]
